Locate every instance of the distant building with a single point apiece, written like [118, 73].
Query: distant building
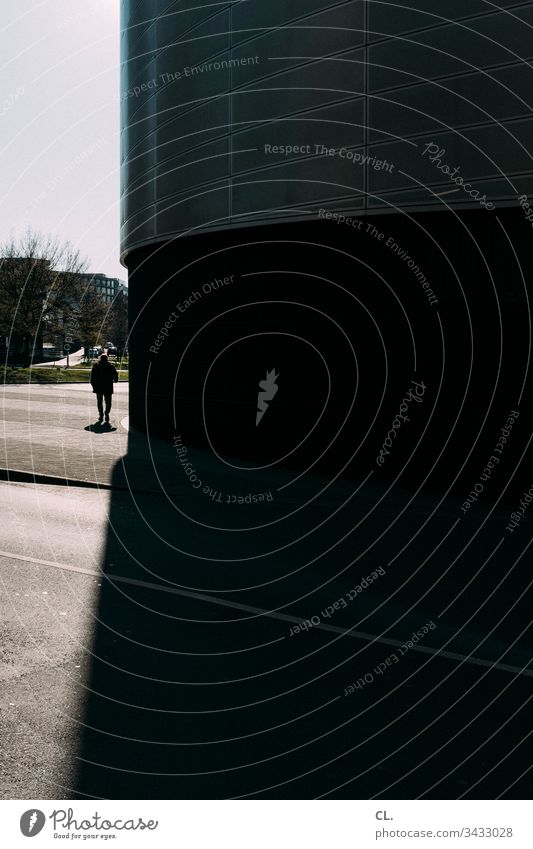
[108, 287]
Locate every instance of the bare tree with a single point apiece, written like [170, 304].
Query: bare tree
[39, 289]
[116, 324]
[92, 313]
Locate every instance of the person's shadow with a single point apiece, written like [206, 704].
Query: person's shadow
[100, 427]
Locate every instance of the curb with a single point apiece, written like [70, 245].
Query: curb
[20, 476]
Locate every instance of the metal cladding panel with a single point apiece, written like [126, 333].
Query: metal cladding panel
[241, 112]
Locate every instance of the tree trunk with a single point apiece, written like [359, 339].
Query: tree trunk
[26, 358]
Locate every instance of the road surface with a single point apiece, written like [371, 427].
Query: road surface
[136, 663]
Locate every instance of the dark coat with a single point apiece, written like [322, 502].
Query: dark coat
[103, 376]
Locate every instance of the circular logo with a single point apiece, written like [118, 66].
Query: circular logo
[32, 822]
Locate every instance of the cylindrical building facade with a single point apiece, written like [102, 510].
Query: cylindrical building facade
[328, 198]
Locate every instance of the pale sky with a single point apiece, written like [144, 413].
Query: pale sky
[59, 124]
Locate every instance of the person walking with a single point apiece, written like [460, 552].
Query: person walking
[103, 376]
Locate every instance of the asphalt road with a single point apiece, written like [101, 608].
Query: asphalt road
[46, 631]
[141, 658]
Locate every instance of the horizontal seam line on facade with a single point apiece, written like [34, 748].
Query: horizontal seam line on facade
[266, 76]
[407, 188]
[291, 210]
[372, 144]
[364, 44]
[229, 48]
[340, 101]
[155, 49]
[355, 148]
[233, 176]
[519, 119]
[359, 191]
[267, 30]
[149, 22]
[490, 177]
[253, 218]
[280, 27]
[367, 47]
[257, 125]
[515, 63]
[526, 4]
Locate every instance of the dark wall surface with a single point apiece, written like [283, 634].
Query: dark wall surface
[348, 315]
[254, 112]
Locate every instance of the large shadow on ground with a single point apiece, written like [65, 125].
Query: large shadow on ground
[204, 684]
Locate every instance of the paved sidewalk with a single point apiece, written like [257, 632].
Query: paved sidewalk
[44, 431]
[71, 360]
[52, 431]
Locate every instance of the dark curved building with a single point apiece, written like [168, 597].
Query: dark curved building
[337, 193]
[328, 235]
